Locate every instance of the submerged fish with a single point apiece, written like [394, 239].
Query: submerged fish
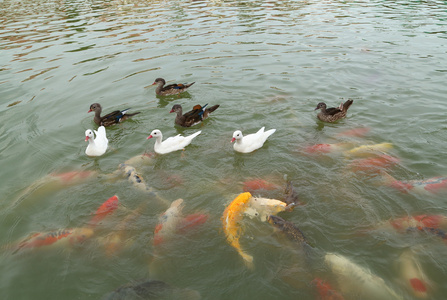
[326, 148]
[291, 196]
[152, 290]
[108, 207]
[290, 230]
[168, 222]
[231, 219]
[61, 237]
[134, 177]
[418, 221]
[412, 274]
[367, 150]
[191, 221]
[325, 290]
[358, 282]
[374, 164]
[253, 185]
[431, 185]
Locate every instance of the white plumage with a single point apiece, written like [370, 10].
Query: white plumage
[96, 146]
[171, 144]
[251, 142]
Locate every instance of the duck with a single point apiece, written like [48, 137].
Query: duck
[193, 117]
[96, 146]
[112, 118]
[251, 142]
[171, 89]
[171, 144]
[334, 113]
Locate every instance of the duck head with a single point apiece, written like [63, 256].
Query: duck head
[176, 108]
[89, 135]
[155, 134]
[321, 105]
[95, 107]
[237, 135]
[159, 81]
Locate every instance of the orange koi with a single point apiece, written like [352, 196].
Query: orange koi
[73, 176]
[373, 164]
[231, 218]
[432, 185]
[71, 236]
[109, 206]
[325, 148]
[326, 291]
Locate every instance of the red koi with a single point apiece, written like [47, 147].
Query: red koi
[73, 176]
[72, 236]
[356, 132]
[258, 184]
[191, 221]
[109, 206]
[326, 291]
[373, 164]
[319, 148]
[419, 222]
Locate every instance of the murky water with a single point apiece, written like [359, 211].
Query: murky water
[266, 64]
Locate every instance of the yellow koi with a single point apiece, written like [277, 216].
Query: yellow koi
[367, 150]
[231, 217]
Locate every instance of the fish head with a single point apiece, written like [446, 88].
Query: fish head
[276, 221]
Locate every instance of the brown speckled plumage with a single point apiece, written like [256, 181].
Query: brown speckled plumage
[334, 113]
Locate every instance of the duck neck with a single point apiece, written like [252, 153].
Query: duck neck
[159, 87]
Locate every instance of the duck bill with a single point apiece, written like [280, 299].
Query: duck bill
[149, 137]
[86, 138]
[89, 110]
[232, 140]
[154, 83]
[171, 111]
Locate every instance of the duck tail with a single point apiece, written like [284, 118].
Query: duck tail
[347, 104]
[133, 114]
[212, 108]
[188, 85]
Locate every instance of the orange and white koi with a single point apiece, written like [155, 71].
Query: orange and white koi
[358, 282]
[326, 148]
[325, 290]
[168, 222]
[108, 207]
[412, 274]
[59, 237]
[231, 219]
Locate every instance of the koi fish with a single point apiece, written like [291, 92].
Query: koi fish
[59, 237]
[373, 164]
[263, 207]
[289, 229]
[357, 281]
[367, 150]
[412, 274]
[168, 222]
[108, 207]
[291, 196]
[325, 290]
[134, 178]
[152, 289]
[419, 221]
[116, 240]
[356, 132]
[326, 148]
[231, 218]
[143, 159]
[431, 185]
[191, 221]
[258, 184]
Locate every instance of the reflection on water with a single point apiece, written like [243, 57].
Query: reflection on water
[266, 63]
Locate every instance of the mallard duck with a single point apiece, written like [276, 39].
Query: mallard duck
[96, 146]
[171, 144]
[112, 118]
[171, 89]
[193, 117]
[251, 142]
[334, 113]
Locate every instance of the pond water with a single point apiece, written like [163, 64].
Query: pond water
[266, 63]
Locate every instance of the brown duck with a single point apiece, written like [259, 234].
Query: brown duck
[334, 113]
[196, 115]
[171, 89]
[112, 118]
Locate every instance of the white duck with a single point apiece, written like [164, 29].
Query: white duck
[171, 144]
[251, 142]
[96, 146]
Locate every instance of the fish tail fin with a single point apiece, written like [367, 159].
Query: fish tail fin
[386, 178]
[248, 259]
